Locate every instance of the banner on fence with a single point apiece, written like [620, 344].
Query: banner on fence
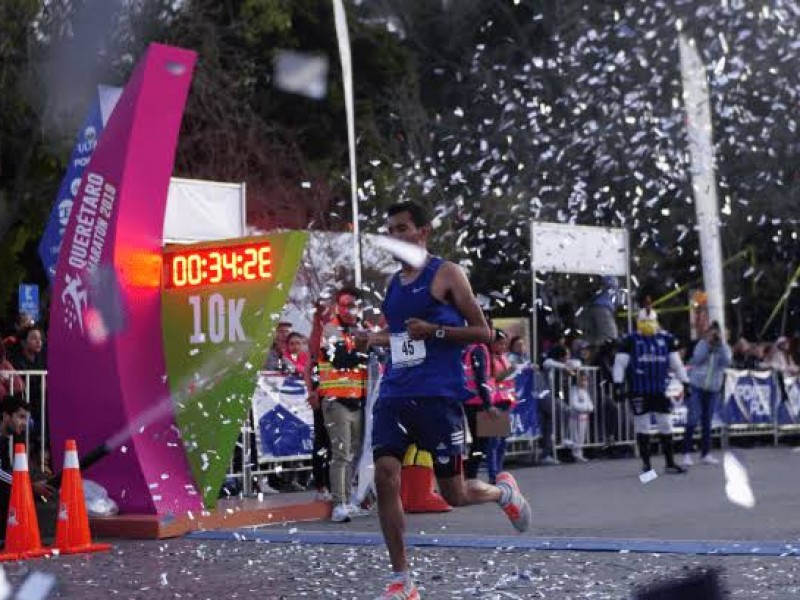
[530, 386]
[283, 418]
[789, 410]
[749, 397]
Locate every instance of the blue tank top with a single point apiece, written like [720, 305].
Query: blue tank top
[441, 373]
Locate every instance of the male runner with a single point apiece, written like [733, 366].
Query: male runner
[431, 315]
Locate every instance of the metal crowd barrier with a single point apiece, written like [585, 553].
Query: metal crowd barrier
[609, 424]
[745, 400]
[752, 403]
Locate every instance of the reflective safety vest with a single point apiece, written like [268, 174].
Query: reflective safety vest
[469, 374]
[341, 383]
[505, 392]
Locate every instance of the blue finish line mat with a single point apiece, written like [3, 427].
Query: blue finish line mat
[512, 543]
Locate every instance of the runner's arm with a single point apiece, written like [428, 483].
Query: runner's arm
[377, 338]
[455, 286]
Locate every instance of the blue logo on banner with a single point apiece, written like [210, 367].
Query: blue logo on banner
[50, 243]
[29, 300]
[750, 399]
[283, 434]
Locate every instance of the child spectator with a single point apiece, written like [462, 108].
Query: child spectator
[580, 407]
[293, 359]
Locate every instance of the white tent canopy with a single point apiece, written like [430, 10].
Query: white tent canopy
[563, 248]
[199, 211]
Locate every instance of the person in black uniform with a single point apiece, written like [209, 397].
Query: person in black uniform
[644, 361]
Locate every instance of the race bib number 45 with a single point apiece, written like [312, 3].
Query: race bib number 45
[405, 351]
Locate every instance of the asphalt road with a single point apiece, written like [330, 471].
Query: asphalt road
[602, 502]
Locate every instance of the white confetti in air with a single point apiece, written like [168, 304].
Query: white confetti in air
[301, 73]
[737, 482]
[410, 254]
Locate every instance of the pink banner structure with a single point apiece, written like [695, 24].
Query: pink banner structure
[101, 390]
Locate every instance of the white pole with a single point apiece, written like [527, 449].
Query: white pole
[535, 324]
[343, 37]
[629, 295]
[698, 114]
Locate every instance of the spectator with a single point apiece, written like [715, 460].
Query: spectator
[743, 356]
[504, 399]
[22, 322]
[478, 378]
[342, 389]
[760, 353]
[604, 361]
[517, 352]
[278, 348]
[582, 352]
[580, 407]
[780, 359]
[294, 360]
[557, 368]
[9, 383]
[601, 316]
[322, 445]
[711, 357]
[29, 357]
[14, 413]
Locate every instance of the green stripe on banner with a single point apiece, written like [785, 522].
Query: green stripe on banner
[216, 339]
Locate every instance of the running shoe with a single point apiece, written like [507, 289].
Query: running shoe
[340, 514]
[708, 459]
[356, 511]
[517, 510]
[398, 590]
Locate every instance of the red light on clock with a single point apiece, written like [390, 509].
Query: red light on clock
[212, 266]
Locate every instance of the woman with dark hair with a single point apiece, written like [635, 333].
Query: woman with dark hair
[293, 360]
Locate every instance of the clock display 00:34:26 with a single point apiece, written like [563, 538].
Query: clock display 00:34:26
[221, 265]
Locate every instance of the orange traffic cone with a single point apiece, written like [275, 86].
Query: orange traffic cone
[417, 491]
[22, 527]
[72, 528]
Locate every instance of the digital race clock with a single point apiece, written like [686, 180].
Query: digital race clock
[212, 266]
